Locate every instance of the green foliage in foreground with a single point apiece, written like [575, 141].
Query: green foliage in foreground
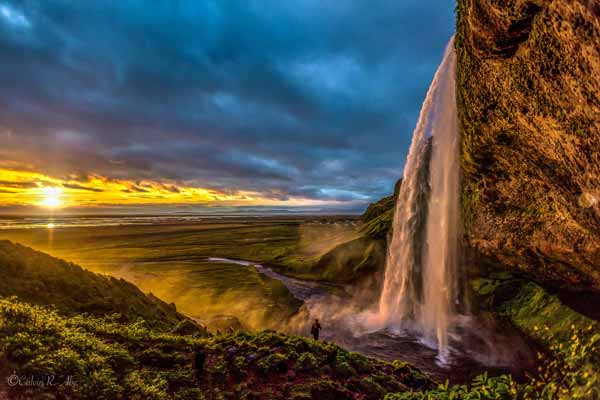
[569, 369]
[101, 358]
[482, 387]
[572, 373]
[572, 370]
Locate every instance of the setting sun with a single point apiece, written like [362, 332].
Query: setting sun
[51, 197]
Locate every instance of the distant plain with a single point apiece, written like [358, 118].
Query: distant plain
[170, 260]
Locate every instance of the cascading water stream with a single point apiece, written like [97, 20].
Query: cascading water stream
[421, 315]
[420, 289]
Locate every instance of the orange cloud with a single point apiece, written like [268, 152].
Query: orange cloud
[32, 189]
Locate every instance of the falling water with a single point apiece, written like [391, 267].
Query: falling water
[421, 315]
[420, 290]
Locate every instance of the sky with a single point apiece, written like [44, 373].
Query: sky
[179, 105]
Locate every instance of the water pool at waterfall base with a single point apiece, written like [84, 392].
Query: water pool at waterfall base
[473, 348]
[475, 345]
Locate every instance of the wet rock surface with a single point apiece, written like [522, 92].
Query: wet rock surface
[529, 108]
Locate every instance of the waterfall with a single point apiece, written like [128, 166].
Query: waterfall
[420, 290]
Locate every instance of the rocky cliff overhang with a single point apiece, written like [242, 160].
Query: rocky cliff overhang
[529, 108]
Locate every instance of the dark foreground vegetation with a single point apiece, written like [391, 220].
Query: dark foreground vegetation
[100, 358]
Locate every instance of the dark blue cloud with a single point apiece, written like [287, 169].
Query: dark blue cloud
[298, 98]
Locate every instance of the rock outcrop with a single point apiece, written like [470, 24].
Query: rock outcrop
[528, 79]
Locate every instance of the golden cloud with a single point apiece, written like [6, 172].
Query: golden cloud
[25, 188]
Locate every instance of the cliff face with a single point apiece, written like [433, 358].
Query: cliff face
[529, 107]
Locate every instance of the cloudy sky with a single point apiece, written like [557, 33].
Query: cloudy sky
[170, 103]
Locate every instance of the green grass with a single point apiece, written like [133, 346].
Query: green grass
[293, 243]
[571, 341]
[206, 290]
[107, 360]
[41, 279]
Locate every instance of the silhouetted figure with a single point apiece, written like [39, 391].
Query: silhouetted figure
[199, 360]
[316, 328]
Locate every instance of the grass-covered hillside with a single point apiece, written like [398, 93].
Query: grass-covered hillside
[171, 261]
[67, 333]
[361, 259]
[529, 103]
[100, 358]
[378, 217]
[38, 278]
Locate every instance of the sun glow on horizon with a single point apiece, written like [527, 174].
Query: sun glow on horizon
[51, 197]
[25, 189]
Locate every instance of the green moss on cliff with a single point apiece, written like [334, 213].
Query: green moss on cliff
[378, 218]
[569, 368]
[380, 226]
[528, 84]
[353, 260]
[359, 258]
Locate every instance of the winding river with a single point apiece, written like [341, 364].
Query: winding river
[302, 290]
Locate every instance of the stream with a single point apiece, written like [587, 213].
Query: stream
[475, 347]
[302, 290]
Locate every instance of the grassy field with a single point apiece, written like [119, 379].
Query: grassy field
[170, 260]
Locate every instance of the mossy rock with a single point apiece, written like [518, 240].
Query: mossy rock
[529, 116]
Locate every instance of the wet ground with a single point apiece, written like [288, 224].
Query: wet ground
[389, 347]
[470, 355]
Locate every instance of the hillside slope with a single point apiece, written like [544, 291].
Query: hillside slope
[529, 104]
[378, 217]
[361, 261]
[38, 278]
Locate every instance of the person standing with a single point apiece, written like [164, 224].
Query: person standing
[316, 328]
